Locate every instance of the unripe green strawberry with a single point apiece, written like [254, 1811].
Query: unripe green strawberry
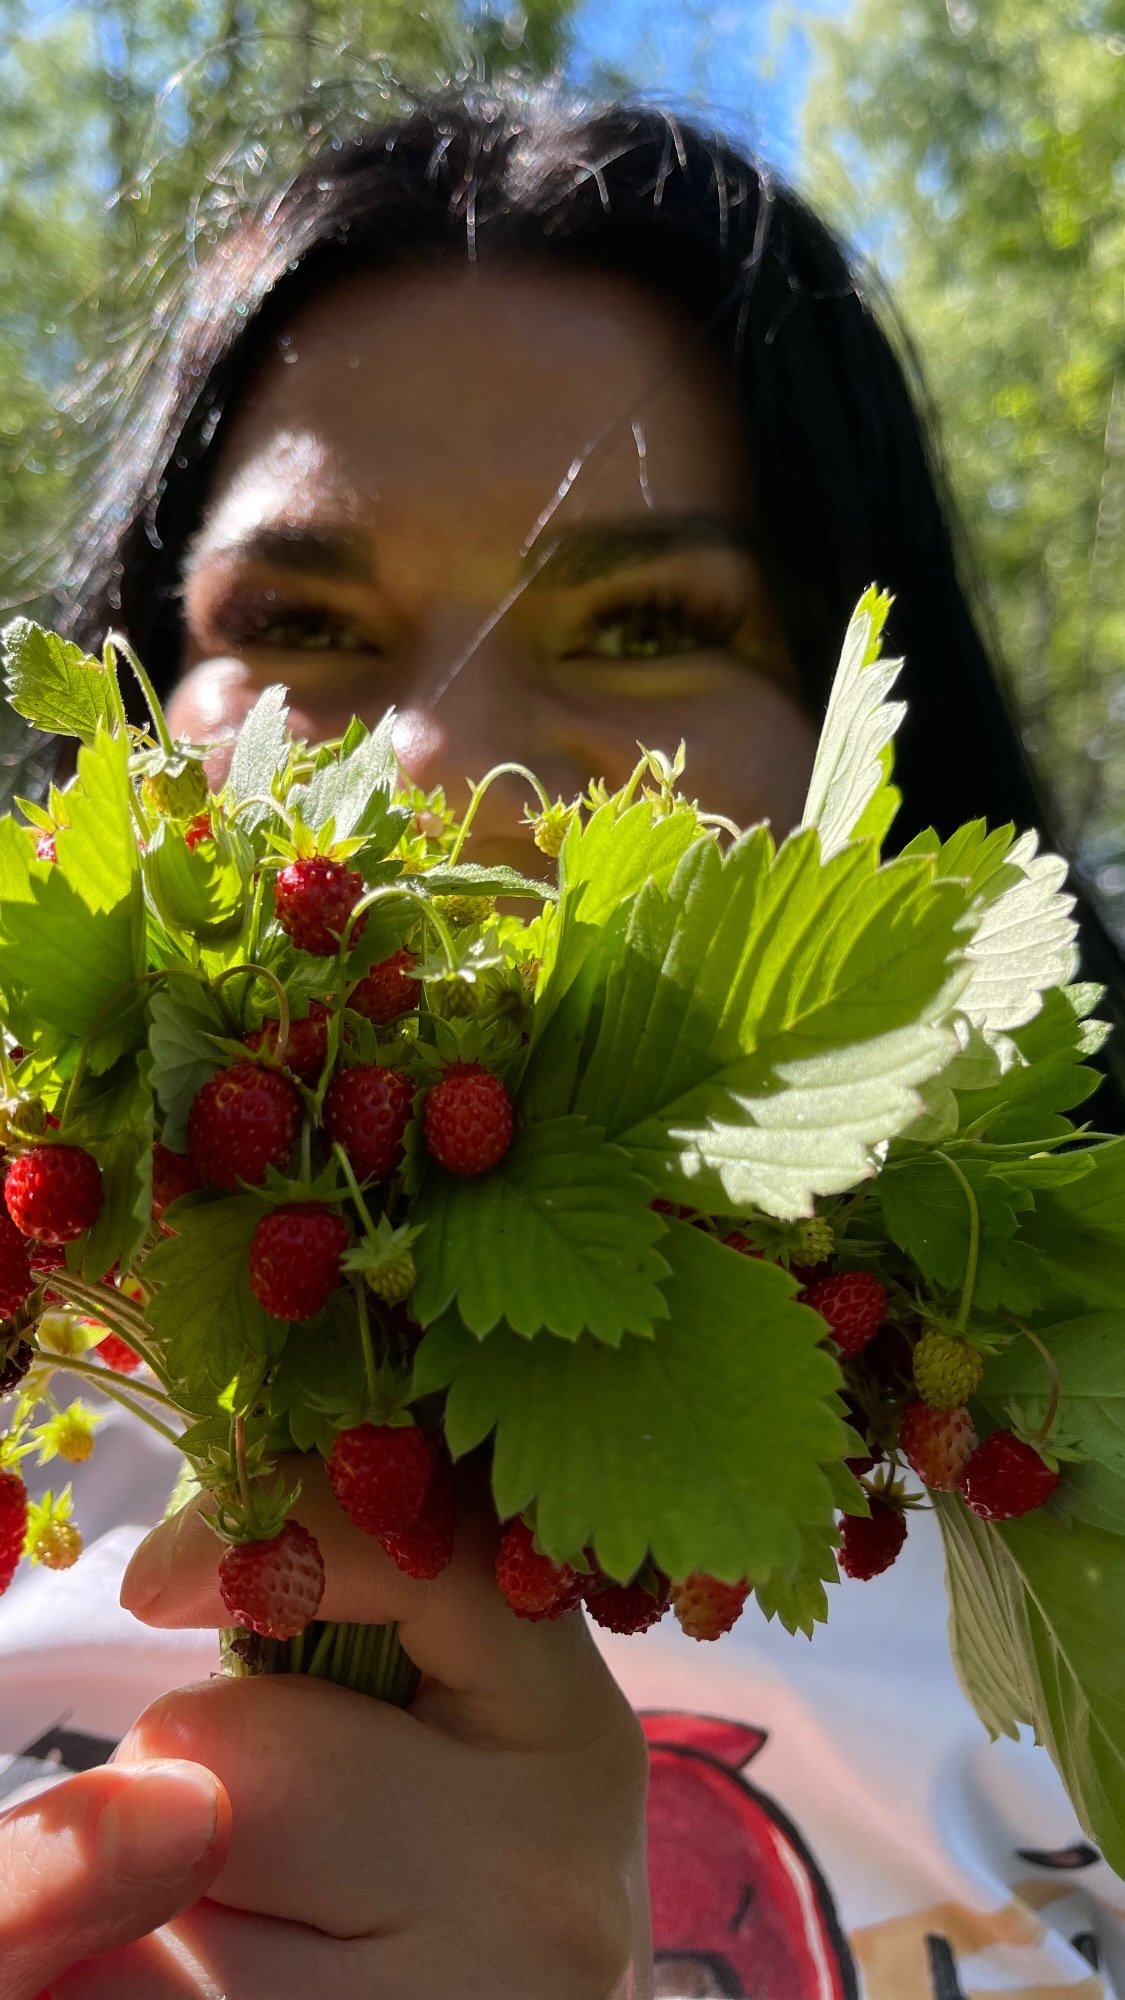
[177, 794]
[464, 910]
[814, 1241]
[57, 1546]
[947, 1371]
[551, 827]
[454, 999]
[395, 1281]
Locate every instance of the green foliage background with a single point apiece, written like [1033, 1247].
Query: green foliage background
[979, 149]
[976, 150]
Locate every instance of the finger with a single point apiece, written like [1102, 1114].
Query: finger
[102, 1859]
[512, 1678]
[391, 1852]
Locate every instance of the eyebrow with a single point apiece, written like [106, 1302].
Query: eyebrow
[580, 554]
[572, 557]
[333, 553]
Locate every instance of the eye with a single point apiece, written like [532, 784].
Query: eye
[293, 628]
[657, 627]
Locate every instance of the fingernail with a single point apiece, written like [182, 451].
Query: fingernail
[149, 1570]
[158, 1825]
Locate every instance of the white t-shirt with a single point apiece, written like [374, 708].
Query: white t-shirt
[828, 1819]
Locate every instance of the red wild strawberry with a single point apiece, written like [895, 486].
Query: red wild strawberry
[242, 1123]
[706, 1608]
[533, 1585]
[870, 1546]
[314, 899]
[937, 1444]
[426, 1547]
[295, 1256]
[854, 1304]
[387, 990]
[14, 1364]
[275, 1587]
[306, 1047]
[468, 1120]
[45, 849]
[117, 1354]
[1006, 1478]
[53, 1192]
[173, 1174]
[198, 829]
[625, 1607]
[13, 1525]
[367, 1111]
[380, 1474]
[17, 1279]
[677, 1208]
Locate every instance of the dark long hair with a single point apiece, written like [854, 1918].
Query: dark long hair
[849, 487]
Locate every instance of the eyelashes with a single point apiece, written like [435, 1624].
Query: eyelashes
[650, 626]
[661, 624]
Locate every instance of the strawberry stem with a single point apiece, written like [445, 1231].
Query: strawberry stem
[263, 972]
[240, 1463]
[121, 645]
[100, 1374]
[489, 778]
[1046, 1427]
[974, 1241]
[365, 1337]
[354, 1188]
[374, 896]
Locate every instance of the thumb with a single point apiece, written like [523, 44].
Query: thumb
[101, 1860]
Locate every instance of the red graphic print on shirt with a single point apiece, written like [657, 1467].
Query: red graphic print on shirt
[739, 1906]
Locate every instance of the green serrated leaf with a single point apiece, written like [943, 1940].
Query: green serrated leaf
[55, 684]
[848, 790]
[1089, 1353]
[472, 878]
[1078, 1233]
[705, 1443]
[926, 1212]
[259, 754]
[768, 1020]
[204, 1313]
[72, 932]
[355, 792]
[1023, 942]
[185, 1020]
[797, 1597]
[559, 1236]
[115, 1123]
[1037, 1625]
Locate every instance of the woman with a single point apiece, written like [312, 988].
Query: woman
[556, 432]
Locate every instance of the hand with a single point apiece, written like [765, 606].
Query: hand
[488, 1842]
[99, 1860]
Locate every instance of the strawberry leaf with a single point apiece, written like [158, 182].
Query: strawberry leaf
[115, 1124]
[849, 791]
[704, 1444]
[797, 1597]
[1037, 1625]
[72, 932]
[559, 1236]
[55, 684]
[767, 1020]
[1078, 1231]
[355, 791]
[203, 1310]
[186, 1020]
[259, 754]
[926, 1212]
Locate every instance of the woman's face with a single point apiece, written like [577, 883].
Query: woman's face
[515, 503]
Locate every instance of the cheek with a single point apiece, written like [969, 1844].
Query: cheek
[750, 748]
[208, 705]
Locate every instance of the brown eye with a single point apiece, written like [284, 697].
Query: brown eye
[292, 628]
[657, 628]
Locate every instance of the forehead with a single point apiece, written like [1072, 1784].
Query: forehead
[468, 394]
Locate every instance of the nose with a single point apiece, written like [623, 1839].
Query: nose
[464, 707]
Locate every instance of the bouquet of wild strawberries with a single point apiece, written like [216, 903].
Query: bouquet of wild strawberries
[709, 1201]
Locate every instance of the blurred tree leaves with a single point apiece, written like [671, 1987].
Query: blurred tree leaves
[987, 142]
[131, 132]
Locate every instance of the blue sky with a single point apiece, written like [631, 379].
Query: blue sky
[745, 62]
